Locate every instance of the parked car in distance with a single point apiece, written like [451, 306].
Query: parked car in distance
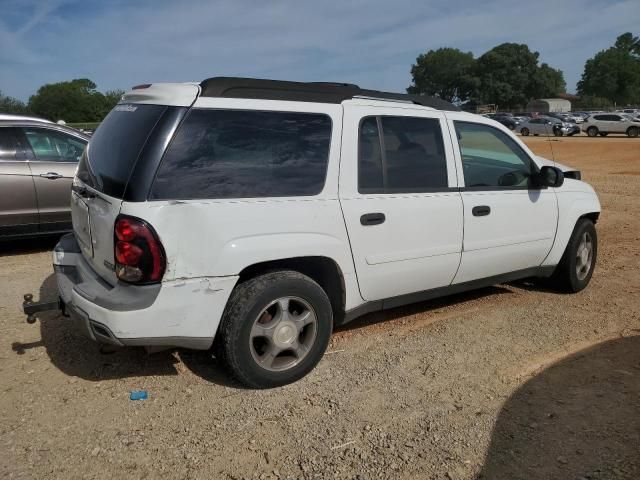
[605, 123]
[317, 203]
[505, 119]
[38, 160]
[548, 126]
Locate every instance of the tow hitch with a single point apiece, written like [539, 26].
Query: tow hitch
[30, 308]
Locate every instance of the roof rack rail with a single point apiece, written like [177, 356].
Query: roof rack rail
[319, 92]
[368, 97]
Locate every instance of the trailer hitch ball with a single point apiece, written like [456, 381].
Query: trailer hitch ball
[28, 297]
[31, 319]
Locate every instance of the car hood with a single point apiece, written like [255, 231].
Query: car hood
[545, 161]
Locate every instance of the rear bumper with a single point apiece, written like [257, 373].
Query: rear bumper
[183, 313]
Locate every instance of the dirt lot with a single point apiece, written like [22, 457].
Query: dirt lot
[510, 382]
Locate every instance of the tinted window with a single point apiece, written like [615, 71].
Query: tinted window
[52, 146]
[600, 117]
[10, 145]
[411, 159]
[491, 158]
[115, 146]
[245, 154]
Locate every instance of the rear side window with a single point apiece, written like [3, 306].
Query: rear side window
[401, 155]
[245, 154]
[115, 146]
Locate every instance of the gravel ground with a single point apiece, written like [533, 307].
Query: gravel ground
[509, 382]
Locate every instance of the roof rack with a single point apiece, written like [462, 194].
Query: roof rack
[320, 92]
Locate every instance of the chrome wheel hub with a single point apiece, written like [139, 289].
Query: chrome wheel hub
[584, 256]
[283, 333]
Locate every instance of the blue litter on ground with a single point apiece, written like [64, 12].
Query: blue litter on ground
[138, 395]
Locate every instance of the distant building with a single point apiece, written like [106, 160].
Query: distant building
[549, 105]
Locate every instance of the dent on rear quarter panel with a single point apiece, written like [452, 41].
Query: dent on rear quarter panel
[221, 238]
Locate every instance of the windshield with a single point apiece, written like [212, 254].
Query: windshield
[114, 148]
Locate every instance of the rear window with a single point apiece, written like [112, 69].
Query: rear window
[115, 146]
[220, 154]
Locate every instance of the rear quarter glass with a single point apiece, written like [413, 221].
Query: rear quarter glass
[218, 154]
[114, 148]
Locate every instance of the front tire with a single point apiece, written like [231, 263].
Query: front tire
[575, 269]
[633, 132]
[525, 132]
[592, 131]
[275, 329]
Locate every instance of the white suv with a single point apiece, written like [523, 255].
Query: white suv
[253, 216]
[605, 123]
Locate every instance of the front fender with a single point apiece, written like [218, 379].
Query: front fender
[571, 206]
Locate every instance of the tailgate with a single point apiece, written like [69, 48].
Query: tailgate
[93, 215]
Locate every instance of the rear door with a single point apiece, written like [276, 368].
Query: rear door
[399, 198]
[18, 203]
[54, 156]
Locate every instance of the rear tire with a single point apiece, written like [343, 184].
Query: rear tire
[575, 269]
[263, 339]
[525, 132]
[592, 131]
[633, 132]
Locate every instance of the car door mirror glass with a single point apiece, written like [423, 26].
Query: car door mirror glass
[550, 177]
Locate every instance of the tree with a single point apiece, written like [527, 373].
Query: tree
[111, 98]
[509, 75]
[588, 102]
[446, 73]
[73, 101]
[614, 73]
[11, 105]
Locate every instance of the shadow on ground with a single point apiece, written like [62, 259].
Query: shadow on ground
[77, 356]
[29, 245]
[576, 420]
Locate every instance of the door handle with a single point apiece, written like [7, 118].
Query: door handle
[481, 211]
[369, 219]
[51, 175]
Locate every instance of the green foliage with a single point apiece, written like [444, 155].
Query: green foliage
[11, 105]
[614, 73]
[73, 101]
[507, 75]
[446, 73]
[587, 102]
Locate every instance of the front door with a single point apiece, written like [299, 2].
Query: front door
[54, 158]
[509, 224]
[400, 201]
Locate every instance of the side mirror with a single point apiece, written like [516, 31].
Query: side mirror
[550, 177]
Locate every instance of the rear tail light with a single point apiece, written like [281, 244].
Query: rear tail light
[139, 256]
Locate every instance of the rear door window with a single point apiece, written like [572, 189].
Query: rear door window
[220, 154]
[401, 155]
[11, 148]
[115, 146]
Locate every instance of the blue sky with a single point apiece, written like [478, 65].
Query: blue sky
[119, 43]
